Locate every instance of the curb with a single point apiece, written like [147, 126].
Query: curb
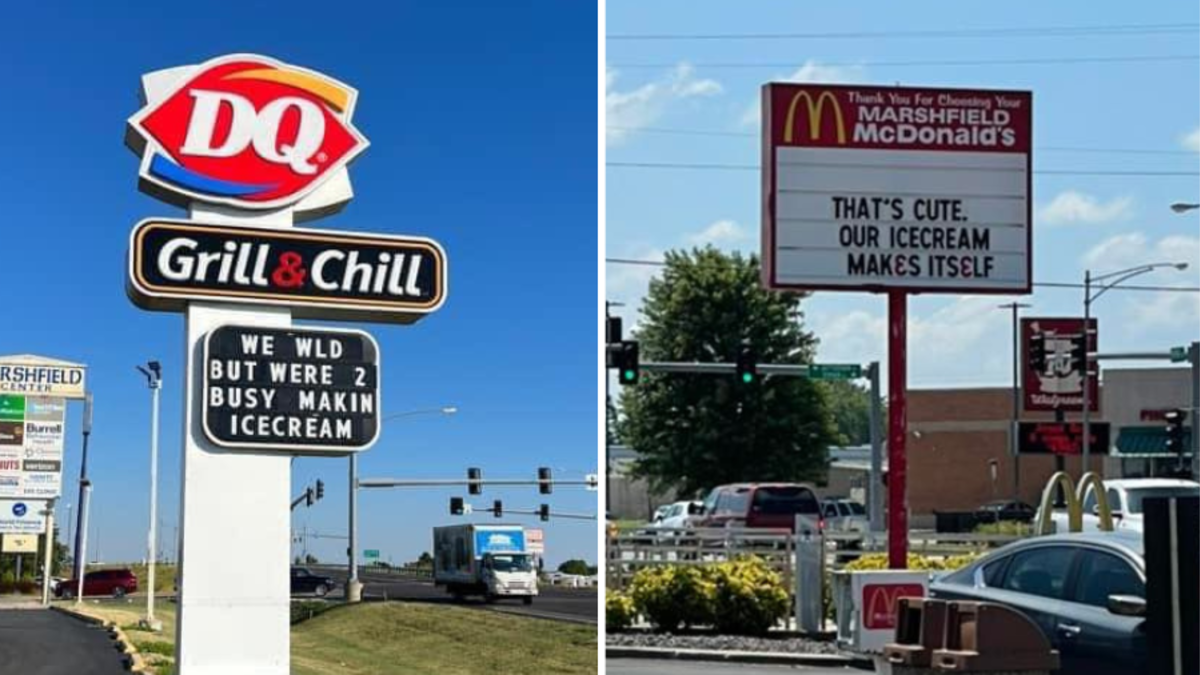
[131, 659]
[770, 658]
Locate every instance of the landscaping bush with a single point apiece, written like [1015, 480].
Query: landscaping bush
[749, 597]
[671, 596]
[1011, 528]
[619, 611]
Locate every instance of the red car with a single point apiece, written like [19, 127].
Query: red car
[116, 583]
[775, 505]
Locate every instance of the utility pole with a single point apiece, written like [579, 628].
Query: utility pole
[353, 585]
[875, 493]
[81, 515]
[153, 373]
[1194, 357]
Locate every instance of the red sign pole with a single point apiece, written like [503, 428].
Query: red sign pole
[897, 430]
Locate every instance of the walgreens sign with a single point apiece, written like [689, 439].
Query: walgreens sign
[243, 130]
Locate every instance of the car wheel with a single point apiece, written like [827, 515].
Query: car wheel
[320, 590]
[67, 594]
[118, 592]
[528, 600]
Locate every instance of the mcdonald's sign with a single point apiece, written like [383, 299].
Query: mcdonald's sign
[815, 108]
[880, 188]
[879, 603]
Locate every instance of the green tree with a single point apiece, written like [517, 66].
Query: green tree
[696, 431]
[425, 560]
[850, 405]
[575, 566]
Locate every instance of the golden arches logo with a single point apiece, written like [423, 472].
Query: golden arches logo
[1073, 495]
[816, 109]
[881, 600]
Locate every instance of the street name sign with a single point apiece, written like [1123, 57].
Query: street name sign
[878, 188]
[291, 390]
[318, 273]
[371, 553]
[834, 371]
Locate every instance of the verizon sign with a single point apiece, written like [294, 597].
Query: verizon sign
[875, 188]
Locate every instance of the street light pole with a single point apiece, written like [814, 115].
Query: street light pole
[81, 514]
[353, 585]
[1088, 299]
[1013, 432]
[153, 373]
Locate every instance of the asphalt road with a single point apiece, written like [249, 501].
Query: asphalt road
[562, 604]
[42, 642]
[665, 667]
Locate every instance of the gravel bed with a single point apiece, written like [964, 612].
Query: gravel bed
[792, 645]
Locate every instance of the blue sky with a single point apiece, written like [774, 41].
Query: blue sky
[1102, 222]
[481, 119]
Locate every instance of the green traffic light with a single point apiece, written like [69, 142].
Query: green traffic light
[747, 378]
[628, 375]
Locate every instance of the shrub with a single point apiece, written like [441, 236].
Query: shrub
[619, 612]
[749, 597]
[1011, 528]
[879, 561]
[673, 596]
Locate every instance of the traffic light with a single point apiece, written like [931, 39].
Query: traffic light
[475, 480]
[308, 496]
[614, 330]
[1037, 352]
[320, 490]
[497, 508]
[1175, 419]
[456, 506]
[747, 366]
[544, 485]
[625, 360]
[1079, 354]
[544, 512]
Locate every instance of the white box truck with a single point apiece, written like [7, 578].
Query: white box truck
[487, 560]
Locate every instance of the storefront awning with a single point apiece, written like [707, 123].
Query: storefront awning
[1148, 442]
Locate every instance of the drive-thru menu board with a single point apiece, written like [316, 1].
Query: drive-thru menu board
[296, 390]
[874, 188]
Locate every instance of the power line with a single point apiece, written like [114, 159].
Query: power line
[1043, 31]
[905, 64]
[754, 134]
[1043, 284]
[755, 167]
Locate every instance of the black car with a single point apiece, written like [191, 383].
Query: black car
[1004, 510]
[304, 581]
[1085, 591]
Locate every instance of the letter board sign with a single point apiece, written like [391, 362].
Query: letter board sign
[310, 390]
[318, 273]
[878, 188]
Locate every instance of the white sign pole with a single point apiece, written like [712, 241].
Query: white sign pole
[234, 578]
[49, 555]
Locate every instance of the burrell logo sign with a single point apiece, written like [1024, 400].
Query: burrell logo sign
[244, 130]
[815, 109]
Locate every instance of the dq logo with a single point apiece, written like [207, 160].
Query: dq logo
[816, 108]
[243, 130]
[879, 602]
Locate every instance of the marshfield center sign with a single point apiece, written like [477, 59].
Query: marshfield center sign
[30, 375]
[877, 188]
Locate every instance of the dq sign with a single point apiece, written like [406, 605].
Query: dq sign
[243, 130]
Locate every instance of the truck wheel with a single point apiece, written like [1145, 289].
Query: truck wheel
[529, 600]
[320, 590]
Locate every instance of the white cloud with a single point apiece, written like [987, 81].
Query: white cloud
[1192, 140]
[811, 71]
[1134, 248]
[719, 234]
[633, 109]
[1076, 207]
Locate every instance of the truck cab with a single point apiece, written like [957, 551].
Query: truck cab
[510, 575]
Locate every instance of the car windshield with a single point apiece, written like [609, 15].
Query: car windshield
[511, 563]
[1135, 497]
[785, 500]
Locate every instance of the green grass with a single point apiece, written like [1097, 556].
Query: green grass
[416, 639]
[384, 638]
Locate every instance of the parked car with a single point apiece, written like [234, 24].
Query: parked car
[1125, 496]
[1085, 591]
[304, 581]
[1004, 510]
[774, 505]
[844, 515]
[117, 583]
[677, 515]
